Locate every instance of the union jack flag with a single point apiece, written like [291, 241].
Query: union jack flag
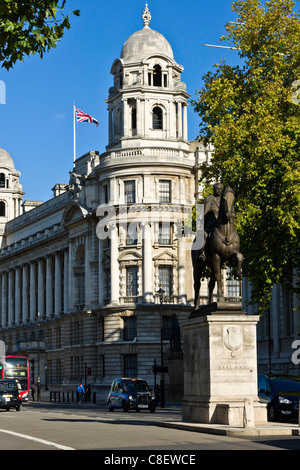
[81, 117]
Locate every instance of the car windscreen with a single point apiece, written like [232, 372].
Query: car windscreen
[281, 385]
[135, 386]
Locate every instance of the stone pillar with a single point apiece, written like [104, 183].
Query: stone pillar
[179, 118]
[58, 286]
[11, 298]
[41, 288]
[101, 273]
[114, 266]
[185, 123]
[147, 264]
[49, 287]
[18, 296]
[71, 278]
[220, 366]
[33, 307]
[25, 294]
[4, 300]
[66, 282]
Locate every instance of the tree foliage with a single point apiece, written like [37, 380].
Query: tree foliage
[251, 114]
[29, 27]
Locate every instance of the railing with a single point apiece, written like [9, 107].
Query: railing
[67, 397]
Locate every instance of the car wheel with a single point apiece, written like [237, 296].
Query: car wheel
[272, 413]
[125, 406]
[111, 408]
[152, 409]
[7, 409]
[18, 408]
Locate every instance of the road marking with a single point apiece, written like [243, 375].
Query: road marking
[36, 439]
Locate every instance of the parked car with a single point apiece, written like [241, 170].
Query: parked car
[281, 395]
[10, 394]
[130, 394]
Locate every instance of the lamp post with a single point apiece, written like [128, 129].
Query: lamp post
[161, 292]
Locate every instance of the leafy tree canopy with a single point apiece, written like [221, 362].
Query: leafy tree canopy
[29, 27]
[251, 114]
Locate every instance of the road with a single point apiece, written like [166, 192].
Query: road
[91, 427]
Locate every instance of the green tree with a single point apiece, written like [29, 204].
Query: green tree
[251, 114]
[29, 27]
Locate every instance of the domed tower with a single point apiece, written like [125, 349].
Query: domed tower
[11, 193]
[146, 174]
[148, 100]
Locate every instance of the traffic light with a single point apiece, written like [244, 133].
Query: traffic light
[89, 371]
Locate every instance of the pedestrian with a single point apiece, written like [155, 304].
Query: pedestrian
[80, 391]
[33, 390]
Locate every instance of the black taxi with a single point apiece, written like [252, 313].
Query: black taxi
[130, 394]
[10, 394]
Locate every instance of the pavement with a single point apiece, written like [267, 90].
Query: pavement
[269, 429]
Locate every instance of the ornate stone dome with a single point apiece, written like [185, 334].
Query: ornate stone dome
[145, 42]
[5, 160]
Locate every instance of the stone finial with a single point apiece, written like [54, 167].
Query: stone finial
[146, 16]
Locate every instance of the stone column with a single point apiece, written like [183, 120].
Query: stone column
[33, 306]
[4, 300]
[71, 278]
[101, 273]
[49, 287]
[185, 123]
[66, 282]
[11, 298]
[58, 286]
[18, 296]
[147, 264]
[41, 288]
[179, 110]
[125, 118]
[114, 266]
[25, 292]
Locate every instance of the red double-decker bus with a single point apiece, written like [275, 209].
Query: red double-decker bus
[17, 367]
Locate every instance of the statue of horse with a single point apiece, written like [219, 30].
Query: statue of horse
[222, 245]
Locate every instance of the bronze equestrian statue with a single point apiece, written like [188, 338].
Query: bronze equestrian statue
[221, 242]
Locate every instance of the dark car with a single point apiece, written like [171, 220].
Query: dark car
[130, 394]
[9, 394]
[281, 395]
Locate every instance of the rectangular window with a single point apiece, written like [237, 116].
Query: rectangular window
[129, 192]
[165, 277]
[132, 234]
[132, 281]
[233, 287]
[129, 328]
[164, 234]
[166, 328]
[165, 191]
[130, 365]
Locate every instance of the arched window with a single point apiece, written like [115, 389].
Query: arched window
[2, 209]
[2, 180]
[157, 75]
[157, 118]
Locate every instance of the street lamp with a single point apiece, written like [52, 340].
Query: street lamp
[161, 292]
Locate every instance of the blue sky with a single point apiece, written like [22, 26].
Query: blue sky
[36, 123]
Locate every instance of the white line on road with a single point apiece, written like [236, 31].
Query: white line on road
[41, 441]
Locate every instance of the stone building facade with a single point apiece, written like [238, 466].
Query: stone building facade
[80, 273]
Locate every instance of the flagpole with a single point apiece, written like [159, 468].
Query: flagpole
[74, 134]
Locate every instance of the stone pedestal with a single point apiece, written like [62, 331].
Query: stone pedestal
[220, 367]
